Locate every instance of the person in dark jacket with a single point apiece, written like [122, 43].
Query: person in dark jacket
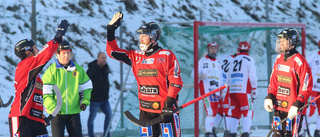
[98, 71]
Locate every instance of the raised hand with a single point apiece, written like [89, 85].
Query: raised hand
[61, 30]
[115, 21]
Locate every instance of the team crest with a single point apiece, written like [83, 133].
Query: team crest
[74, 73]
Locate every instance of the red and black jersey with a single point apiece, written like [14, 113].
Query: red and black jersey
[290, 80]
[157, 75]
[28, 84]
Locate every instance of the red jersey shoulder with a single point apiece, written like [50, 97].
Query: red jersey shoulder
[165, 52]
[299, 60]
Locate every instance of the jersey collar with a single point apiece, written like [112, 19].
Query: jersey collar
[71, 67]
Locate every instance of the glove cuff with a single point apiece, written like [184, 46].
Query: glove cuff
[110, 33]
[298, 104]
[57, 40]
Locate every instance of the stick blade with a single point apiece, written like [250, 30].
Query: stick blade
[134, 120]
[142, 123]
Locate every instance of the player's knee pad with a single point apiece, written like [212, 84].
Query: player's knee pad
[167, 129]
[171, 129]
[276, 120]
[146, 131]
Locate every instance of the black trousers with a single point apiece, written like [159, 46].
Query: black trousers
[71, 122]
[26, 127]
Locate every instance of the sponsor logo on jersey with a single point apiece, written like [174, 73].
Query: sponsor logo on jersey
[176, 85]
[149, 89]
[301, 96]
[176, 69]
[237, 75]
[284, 68]
[298, 61]
[155, 105]
[39, 85]
[236, 86]
[213, 77]
[139, 52]
[147, 73]
[214, 83]
[282, 103]
[35, 113]
[44, 47]
[284, 79]
[283, 90]
[164, 52]
[214, 98]
[161, 60]
[37, 98]
[147, 61]
[244, 108]
[225, 105]
[224, 76]
[305, 82]
[150, 104]
[213, 65]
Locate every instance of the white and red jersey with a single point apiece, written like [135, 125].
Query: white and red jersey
[242, 73]
[157, 75]
[290, 80]
[225, 66]
[211, 68]
[314, 63]
[28, 84]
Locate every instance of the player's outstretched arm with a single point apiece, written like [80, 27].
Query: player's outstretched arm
[113, 25]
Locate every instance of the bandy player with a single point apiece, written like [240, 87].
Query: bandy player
[243, 89]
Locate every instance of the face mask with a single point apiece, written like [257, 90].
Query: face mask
[282, 45]
[144, 47]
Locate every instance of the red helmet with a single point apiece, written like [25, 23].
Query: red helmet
[244, 45]
[319, 43]
[213, 44]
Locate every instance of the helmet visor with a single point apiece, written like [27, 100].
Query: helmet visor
[151, 34]
[282, 45]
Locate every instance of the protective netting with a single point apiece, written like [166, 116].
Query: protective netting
[180, 40]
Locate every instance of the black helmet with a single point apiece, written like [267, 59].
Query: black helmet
[291, 34]
[64, 45]
[152, 29]
[22, 46]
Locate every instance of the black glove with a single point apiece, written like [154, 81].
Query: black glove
[113, 25]
[61, 30]
[115, 21]
[167, 110]
[83, 107]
